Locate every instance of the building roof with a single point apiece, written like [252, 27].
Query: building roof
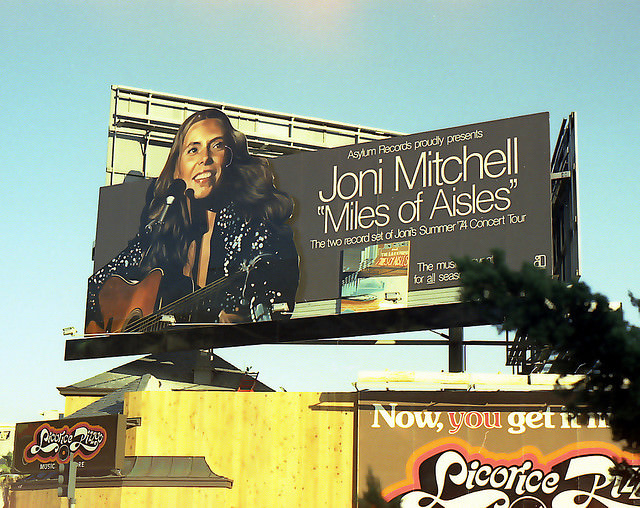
[113, 403]
[183, 370]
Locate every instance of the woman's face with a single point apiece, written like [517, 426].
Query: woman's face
[202, 157]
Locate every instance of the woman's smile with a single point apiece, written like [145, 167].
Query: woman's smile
[202, 157]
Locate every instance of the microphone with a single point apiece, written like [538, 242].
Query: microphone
[177, 188]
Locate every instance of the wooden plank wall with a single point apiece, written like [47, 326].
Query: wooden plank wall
[171, 497]
[280, 449]
[35, 499]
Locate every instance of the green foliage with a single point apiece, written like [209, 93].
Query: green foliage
[577, 325]
[372, 496]
[5, 462]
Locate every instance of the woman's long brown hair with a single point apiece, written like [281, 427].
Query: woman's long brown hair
[247, 181]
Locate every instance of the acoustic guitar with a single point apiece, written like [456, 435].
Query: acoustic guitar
[128, 306]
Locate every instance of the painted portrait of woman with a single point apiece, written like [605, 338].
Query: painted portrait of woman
[213, 245]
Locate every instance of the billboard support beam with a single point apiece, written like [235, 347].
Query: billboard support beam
[457, 358]
[179, 338]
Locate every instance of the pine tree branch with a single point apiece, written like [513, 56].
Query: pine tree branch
[575, 323]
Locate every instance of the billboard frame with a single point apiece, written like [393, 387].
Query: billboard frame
[433, 316]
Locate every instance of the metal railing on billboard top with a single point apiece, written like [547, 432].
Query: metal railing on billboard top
[143, 124]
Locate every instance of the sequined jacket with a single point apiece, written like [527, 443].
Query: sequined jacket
[253, 266]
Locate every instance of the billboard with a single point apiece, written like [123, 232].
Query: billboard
[95, 443]
[427, 451]
[223, 236]
[451, 192]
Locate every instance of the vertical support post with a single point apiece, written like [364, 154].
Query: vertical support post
[67, 480]
[457, 360]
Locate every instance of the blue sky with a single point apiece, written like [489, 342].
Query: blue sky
[403, 66]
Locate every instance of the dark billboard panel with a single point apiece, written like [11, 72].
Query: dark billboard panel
[452, 192]
[443, 453]
[222, 236]
[96, 443]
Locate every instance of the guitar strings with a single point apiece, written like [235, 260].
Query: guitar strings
[146, 323]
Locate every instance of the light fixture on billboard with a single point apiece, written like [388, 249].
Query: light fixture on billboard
[69, 330]
[168, 318]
